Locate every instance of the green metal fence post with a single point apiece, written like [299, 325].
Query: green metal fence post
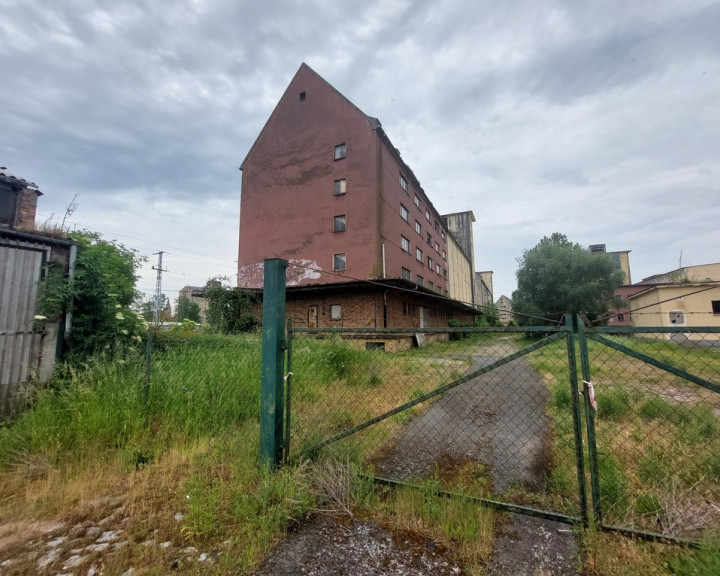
[273, 345]
[577, 420]
[590, 421]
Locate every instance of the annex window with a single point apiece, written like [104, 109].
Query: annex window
[302, 96]
[405, 244]
[427, 215]
[418, 227]
[715, 306]
[339, 261]
[429, 238]
[409, 309]
[339, 187]
[418, 254]
[339, 223]
[417, 201]
[430, 263]
[419, 280]
[340, 151]
[403, 183]
[336, 312]
[404, 213]
[406, 274]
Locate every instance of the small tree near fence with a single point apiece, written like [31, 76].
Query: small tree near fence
[230, 309]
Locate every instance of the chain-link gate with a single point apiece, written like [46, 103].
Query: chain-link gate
[492, 413]
[500, 415]
[654, 430]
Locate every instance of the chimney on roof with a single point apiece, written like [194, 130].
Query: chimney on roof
[18, 201]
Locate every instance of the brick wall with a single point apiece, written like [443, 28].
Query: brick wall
[27, 206]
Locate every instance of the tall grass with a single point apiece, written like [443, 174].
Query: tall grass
[196, 388]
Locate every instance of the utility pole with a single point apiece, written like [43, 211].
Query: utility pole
[158, 287]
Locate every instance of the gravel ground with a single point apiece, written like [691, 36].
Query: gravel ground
[339, 546]
[497, 419]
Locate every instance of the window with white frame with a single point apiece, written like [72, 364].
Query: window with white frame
[430, 263]
[339, 223]
[335, 312]
[418, 227]
[406, 274]
[437, 247]
[339, 187]
[429, 238]
[404, 213]
[427, 215]
[403, 183]
[419, 280]
[437, 268]
[417, 201]
[340, 151]
[405, 244]
[339, 261]
[419, 254]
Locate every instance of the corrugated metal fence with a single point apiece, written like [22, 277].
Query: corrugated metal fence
[20, 349]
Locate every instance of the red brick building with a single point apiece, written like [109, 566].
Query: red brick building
[324, 188]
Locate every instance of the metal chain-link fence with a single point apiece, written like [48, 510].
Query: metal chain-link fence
[656, 430]
[485, 412]
[504, 414]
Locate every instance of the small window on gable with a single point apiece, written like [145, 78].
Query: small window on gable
[715, 306]
[339, 187]
[339, 223]
[404, 213]
[406, 274]
[340, 151]
[405, 244]
[403, 183]
[339, 261]
[335, 312]
[302, 96]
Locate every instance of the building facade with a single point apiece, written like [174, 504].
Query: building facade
[324, 188]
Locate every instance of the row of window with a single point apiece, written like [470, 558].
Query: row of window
[418, 203]
[405, 245]
[409, 309]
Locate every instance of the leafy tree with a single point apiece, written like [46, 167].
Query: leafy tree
[187, 309]
[229, 308]
[558, 276]
[102, 294]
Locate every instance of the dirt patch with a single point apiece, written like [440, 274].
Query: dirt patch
[331, 546]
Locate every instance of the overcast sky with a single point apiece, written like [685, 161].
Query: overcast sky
[597, 119]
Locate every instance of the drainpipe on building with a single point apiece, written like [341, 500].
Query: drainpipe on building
[385, 309]
[383, 259]
[71, 278]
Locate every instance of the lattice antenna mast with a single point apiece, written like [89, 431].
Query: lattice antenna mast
[158, 287]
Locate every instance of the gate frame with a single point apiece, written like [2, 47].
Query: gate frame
[596, 333]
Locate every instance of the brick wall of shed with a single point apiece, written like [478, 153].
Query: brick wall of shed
[27, 207]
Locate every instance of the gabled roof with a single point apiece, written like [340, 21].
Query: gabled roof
[373, 123]
[304, 68]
